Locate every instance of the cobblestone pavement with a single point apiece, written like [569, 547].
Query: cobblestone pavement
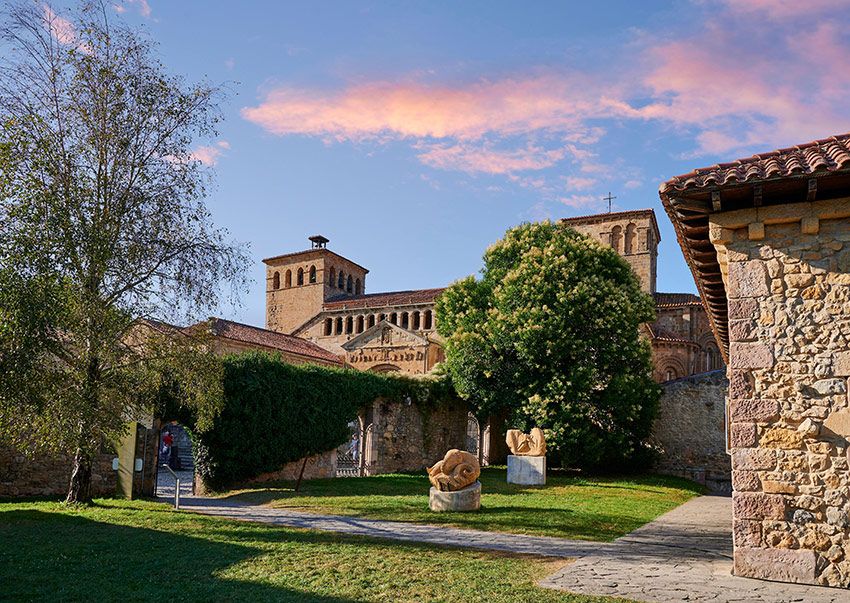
[165, 483]
[684, 555]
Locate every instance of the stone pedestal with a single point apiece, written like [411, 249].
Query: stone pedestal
[468, 499]
[527, 470]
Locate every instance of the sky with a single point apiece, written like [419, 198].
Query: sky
[413, 134]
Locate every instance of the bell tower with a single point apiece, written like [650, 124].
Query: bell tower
[298, 284]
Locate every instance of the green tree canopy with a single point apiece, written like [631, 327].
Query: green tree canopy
[104, 226]
[551, 332]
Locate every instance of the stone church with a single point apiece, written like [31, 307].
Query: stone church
[320, 296]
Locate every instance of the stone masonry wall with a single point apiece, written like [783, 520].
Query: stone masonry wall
[407, 439]
[48, 475]
[788, 287]
[691, 433]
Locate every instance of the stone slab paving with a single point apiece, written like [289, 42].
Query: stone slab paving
[684, 555]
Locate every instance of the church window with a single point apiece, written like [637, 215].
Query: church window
[349, 286]
[416, 321]
[630, 238]
[349, 324]
[357, 287]
[360, 323]
[670, 374]
[405, 320]
[288, 280]
[616, 236]
[371, 321]
[339, 325]
[300, 276]
[394, 318]
[340, 284]
[332, 277]
[312, 274]
[426, 321]
[276, 280]
[329, 326]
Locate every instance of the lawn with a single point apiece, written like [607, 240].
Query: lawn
[586, 508]
[133, 551]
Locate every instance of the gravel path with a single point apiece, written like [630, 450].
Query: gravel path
[684, 555]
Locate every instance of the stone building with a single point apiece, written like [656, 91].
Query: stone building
[321, 296]
[682, 341]
[768, 242]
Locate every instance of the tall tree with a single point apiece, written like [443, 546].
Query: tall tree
[550, 333]
[104, 225]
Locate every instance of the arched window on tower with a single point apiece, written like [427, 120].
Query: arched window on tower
[630, 238]
[357, 287]
[349, 324]
[300, 276]
[340, 283]
[349, 284]
[312, 274]
[329, 326]
[288, 279]
[276, 280]
[360, 323]
[416, 323]
[332, 276]
[616, 238]
[338, 325]
[405, 320]
[427, 320]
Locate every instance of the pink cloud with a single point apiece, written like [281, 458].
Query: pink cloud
[739, 92]
[783, 9]
[142, 5]
[557, 104]
[210, 154]
[473, 158]
[580, 183]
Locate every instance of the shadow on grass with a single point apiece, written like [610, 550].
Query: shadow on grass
[57, 556]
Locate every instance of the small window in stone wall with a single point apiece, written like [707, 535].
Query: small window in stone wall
[312, 274]
[394, 318]
[360, 323]
[371, 321]
[329, 325]
[349, 286]
[300, 277]
[288, 280]
[416, 321]
[340, 283]
[338, 325]
[276, 281]
[427, 321]
[357, 287]
[405, 320]
[349, 324]
[332, 276]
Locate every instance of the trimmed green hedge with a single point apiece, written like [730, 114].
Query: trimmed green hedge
[275, 413]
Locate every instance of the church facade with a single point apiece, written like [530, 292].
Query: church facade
[320, 296]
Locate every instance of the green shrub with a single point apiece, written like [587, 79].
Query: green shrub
[275, 413]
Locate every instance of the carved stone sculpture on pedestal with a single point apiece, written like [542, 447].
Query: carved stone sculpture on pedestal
[454, 482]
[527, 464]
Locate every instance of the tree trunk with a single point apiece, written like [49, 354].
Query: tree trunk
[79, 490]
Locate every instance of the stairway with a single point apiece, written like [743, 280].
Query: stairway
[184, 447]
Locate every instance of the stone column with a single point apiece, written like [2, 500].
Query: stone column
[787, 276]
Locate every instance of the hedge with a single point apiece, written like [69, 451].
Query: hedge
[275, 413]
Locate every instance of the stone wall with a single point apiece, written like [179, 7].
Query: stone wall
[690, 430]
[49, 474]
[319, 466]
[405, 438]
[787, 272]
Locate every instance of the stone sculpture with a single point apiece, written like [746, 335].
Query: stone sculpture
[456, 471]
[526, 444]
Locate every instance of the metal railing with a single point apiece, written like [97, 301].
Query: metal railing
[176, 486]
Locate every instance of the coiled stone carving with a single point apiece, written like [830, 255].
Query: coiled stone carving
[456, 471]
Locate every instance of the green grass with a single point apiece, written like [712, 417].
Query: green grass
[134, 551]
[599, 508]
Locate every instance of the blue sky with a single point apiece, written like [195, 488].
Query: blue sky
[413, 134]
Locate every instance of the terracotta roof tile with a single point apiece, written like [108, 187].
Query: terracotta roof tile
[666, 300]
[270, 339]
[382, 300]
[825, 155]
